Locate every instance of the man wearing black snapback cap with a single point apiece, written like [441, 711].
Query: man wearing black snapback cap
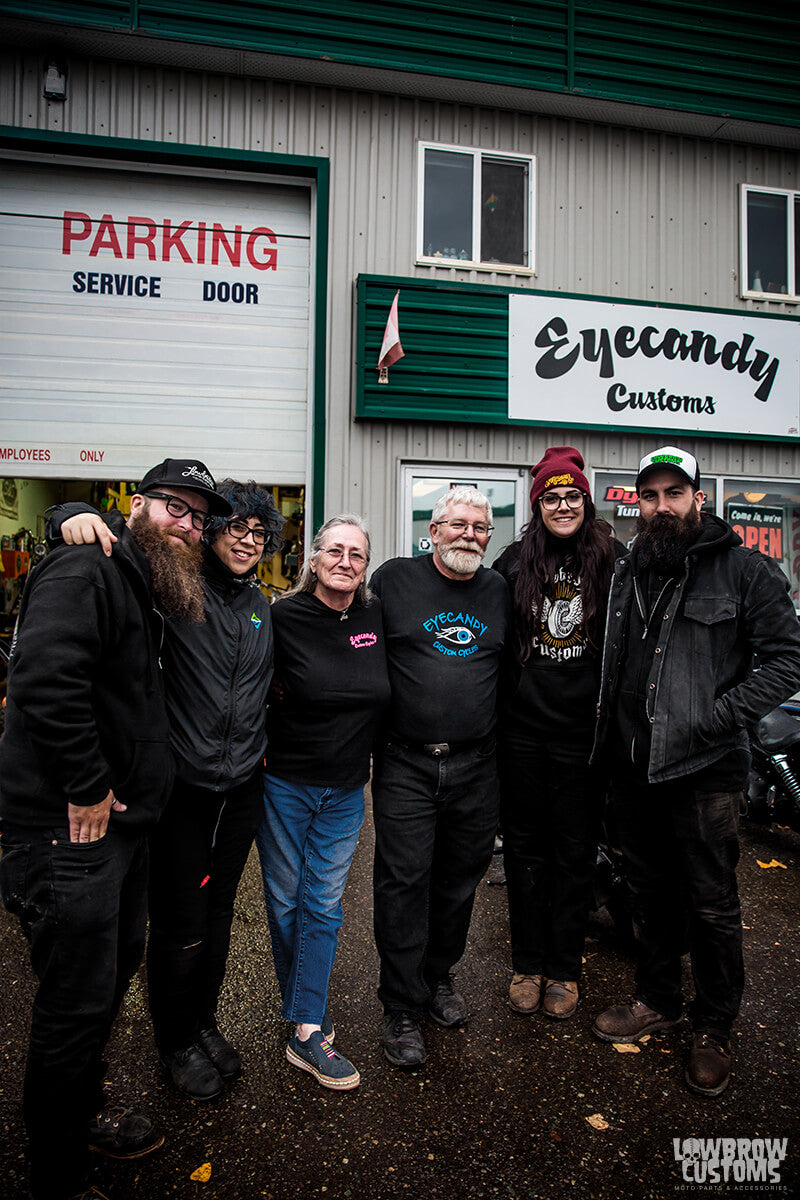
[689, 610]
[85, 769]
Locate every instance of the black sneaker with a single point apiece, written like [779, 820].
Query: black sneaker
[193, 1073]
[122, 1133]
[220, 1052]
[402, 1040]
[447, 1007]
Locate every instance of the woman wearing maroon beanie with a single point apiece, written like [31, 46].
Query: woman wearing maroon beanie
[558, 574]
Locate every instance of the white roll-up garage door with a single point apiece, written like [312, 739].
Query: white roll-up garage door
[147, 315]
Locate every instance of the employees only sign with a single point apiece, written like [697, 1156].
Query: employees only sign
[597, 363]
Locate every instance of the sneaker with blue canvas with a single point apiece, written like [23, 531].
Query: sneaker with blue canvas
[318, 1057]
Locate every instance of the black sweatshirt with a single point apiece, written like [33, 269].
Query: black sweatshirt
[85, 709]
[332, 690]
[444, 638]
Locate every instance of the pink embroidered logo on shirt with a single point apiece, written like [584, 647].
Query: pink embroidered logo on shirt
[363, 639]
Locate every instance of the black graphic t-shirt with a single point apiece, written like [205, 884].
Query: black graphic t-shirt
[555, 691]
[444, 638]
[334, 689]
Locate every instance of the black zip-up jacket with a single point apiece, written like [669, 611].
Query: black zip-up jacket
[217, 676]
[85, 709]
[701, 691]
[217, 673]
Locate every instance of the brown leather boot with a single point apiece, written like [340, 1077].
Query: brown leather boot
[560, 998]
[525, 994]
[629, 1022]
[708, 1070]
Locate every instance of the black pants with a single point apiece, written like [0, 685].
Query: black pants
[82, 907]
[680, 848]
[550, 809]
[198, 853]
[435, 823]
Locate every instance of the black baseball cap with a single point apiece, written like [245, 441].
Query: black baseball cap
[190, 474]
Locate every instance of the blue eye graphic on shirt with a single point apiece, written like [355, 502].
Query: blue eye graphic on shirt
[458, 634]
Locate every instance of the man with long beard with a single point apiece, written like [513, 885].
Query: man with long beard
[435, 788]
[85, 768]
[689, 611]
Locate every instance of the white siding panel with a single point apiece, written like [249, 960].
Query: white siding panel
[620, 212]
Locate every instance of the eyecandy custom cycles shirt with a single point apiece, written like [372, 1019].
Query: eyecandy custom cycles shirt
[444, 638]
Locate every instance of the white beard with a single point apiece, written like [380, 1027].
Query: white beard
[461, 561]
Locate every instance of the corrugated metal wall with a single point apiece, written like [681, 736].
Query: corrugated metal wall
[619, 212]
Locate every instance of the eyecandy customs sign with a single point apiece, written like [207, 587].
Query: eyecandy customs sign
[598, 363]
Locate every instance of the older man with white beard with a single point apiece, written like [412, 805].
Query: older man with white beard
[435, 786]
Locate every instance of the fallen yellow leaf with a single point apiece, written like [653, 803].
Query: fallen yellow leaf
[773, 863]
[626, 1048]
[202, 1174]
[597, 1122]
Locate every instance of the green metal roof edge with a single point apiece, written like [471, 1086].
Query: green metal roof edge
[516, 75]
[318, 169]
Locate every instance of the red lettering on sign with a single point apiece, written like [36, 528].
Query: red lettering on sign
[146, 239]
[189, 241]
[67, 236]
[106, 238]
[23, 454]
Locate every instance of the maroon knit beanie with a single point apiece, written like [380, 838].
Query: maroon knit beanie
[562, 466]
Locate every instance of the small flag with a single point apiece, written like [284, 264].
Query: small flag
[391, 350]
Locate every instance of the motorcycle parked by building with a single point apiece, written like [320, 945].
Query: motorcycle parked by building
[773, 789]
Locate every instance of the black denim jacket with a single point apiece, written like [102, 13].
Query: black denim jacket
[729, 610]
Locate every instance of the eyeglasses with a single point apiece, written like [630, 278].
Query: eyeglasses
[336, 554]
[551, 500]
[239, 530]
[179, 508]
[477, 527]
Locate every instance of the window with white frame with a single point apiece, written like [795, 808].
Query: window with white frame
[475, 208]
[770, 242]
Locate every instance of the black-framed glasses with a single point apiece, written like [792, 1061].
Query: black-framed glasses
[239, 530]
[552, 501]
[477, 527]
[179, 508]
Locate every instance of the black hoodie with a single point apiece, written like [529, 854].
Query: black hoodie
[85, 708]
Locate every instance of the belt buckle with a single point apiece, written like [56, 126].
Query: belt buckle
[437, 749]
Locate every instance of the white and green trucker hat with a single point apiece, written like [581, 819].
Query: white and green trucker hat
[669, 457]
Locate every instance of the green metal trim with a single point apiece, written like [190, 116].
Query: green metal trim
[446, 376]
[304, 166]
[723, 60]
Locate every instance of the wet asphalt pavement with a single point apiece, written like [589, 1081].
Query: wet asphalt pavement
[501, 1109]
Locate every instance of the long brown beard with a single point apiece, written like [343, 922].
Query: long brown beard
[175, 570]
[664, 540]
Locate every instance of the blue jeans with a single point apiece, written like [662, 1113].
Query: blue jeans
[306, 843]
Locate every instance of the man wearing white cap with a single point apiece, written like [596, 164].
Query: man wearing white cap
[689, 610]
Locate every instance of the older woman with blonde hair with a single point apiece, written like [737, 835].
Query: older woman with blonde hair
[331, 687]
